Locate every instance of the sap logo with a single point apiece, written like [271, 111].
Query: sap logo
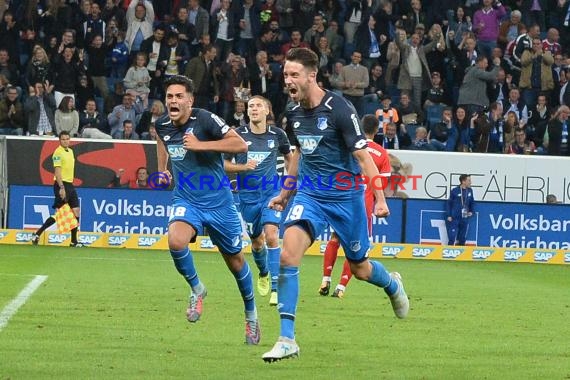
[482, 254]
[513, 255]
[176, 152]
[244, 244]
[87, 239]
[451, 253]
[309, 143]
[206, 243]
[567, 257]
[391, 251]
[543, 257]
[147, 241]
[421, 251]
[57, 238]
[258, 157]
[3, 235]
[322, 248]
[23, 237]
[117, 240]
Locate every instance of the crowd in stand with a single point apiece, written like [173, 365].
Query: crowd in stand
[442, 75]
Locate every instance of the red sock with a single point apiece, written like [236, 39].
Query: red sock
[346, 274]
[330, 257]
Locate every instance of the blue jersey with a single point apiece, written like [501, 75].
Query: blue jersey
[264, 148]
[326, 137]
[459, 199]
[199, 177]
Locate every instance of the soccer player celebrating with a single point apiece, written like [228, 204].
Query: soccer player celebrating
[326, 131]
[195, 140]
[258, 182]
[382, 161]
[63, 189]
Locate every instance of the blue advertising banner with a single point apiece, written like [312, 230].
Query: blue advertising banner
[102, 210]
[494, 224]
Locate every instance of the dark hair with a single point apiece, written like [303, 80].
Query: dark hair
[64, 104]
[63, 133]
[207, 48]
[304, 56]
[181, 80]
[480, 58]
[463, 177]
[370, 124]
[127, 121]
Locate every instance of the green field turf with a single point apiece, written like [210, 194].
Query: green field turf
[120, 314]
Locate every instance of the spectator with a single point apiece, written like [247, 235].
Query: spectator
[369, 43]
[499, 90]
[315, 32]
[521, 145]
[557, 141]
[335, 78]
[465, 133]
[9, 70]
[394, 138]
[415, 17]
[201, 70]
[486, 25]
[67, 117]
[112, 11]
[459, 23]
[149, 117]
[185, 30]
[224, 30]
[524, 42]
[38, 68]
[137, 80]
[437, 94]
[239, 117]
[536, 73]
[473, 91]
[376, 84]
[510, 29]
[550, 43]
[386, 114]
[40, 107]
[410, 113]
[443, 135]
[151, 135]
[285, 9]
[93, 26]
[97, 53]
[67, 71]
[140, 16]
[139, 182]
[294, 43]
[518, 106]
[157, 52]
[335, 40]
[127, 133]
[91, 123]
[260, 75]
[551, 199]
[119, 59]
[421, 141]
[354, 79]
[200, 19]
[537, 123]
[177, 56]
[414, 70]
[128, 110]
[233, 75]
[12, 118]
[9, 36]
[534, 11]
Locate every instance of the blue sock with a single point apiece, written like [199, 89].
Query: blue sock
[184, 263]
[260, 258]
[380, 277]
[288, 297]
[245, 284]
[273, 260]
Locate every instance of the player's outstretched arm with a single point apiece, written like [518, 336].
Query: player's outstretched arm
[231, 142]
[370, 171]
[232, 167]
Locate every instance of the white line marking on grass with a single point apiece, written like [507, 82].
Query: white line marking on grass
[11, 309]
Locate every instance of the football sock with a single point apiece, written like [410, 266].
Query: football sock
[245, 284]
[273, 260]
[346, 274]
[184, 263]
[260, 258]
[288, 297]
[381, 278]
[331, 253]
[47, 224]
[74, 233]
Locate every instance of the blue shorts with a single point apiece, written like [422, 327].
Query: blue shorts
[223, 223]
[347, 218]
[257, 215]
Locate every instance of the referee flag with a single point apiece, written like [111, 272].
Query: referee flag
[65, 219]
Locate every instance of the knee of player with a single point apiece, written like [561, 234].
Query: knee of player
[257, 243]
[272, 239]
[176, 243]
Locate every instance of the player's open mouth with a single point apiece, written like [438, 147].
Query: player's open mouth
[293, 91]
[174, 110]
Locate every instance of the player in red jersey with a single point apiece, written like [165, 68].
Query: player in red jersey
[382, 161]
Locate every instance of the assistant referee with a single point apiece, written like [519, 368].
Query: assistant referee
[63, 189]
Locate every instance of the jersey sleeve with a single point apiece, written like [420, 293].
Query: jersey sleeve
[290, 131]
[349, 125]
[215, 125]
[384, 166]
[56, 158]
[284, 145]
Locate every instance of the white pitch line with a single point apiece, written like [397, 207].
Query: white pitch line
[11, 309]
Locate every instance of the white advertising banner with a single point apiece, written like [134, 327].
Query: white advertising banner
[495, 177]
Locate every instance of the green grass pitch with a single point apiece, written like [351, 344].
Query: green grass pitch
[120, 314]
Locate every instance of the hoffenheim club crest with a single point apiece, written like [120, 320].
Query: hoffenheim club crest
[355, 246]
[271, 144]
[322, 123]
